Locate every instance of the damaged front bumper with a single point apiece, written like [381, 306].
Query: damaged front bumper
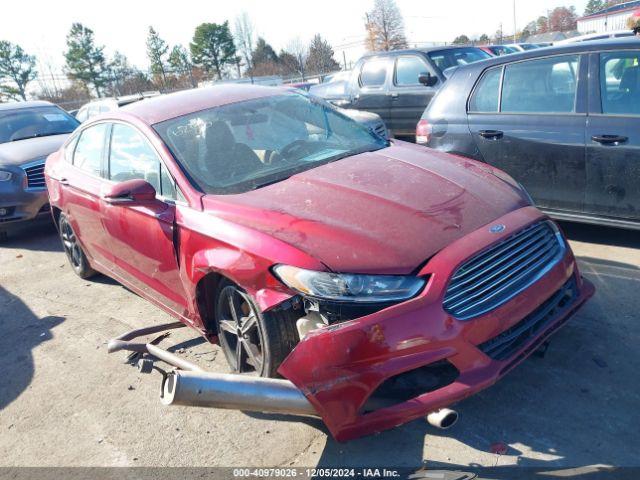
[365, 375]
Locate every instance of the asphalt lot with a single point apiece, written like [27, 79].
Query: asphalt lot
[65, 402]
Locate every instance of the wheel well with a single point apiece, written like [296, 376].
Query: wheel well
[56, 215]
[205, 299]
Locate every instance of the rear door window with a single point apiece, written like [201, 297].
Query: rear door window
[486, 97]
[620, 82]
[408, 70]
[547, 85]
[373, 73]
[89, 150]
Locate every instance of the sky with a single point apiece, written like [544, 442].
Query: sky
[40, 26]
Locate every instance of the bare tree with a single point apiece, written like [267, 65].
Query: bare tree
[385, 27]
[299, 52]
[243, 36]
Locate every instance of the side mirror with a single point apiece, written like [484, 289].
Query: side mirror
[130, 192]
[427, 79]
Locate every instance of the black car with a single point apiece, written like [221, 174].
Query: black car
[398, 85]
[563, 121]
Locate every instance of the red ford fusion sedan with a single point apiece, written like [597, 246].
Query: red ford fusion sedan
[383, 280]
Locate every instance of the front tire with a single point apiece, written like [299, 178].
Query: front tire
[73, 250]
[253, 342]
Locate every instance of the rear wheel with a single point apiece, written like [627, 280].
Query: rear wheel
[72, 248]
[253, 342]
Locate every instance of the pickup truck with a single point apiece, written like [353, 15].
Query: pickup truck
[397, 85]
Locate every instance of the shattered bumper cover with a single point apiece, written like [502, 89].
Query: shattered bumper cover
[341, 368]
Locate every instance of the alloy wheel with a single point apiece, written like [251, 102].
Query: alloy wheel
[238, 324]
[70, 244]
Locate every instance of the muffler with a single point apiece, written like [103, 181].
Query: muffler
[236, 392]
[443, 418]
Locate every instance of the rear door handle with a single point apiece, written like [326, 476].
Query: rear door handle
[609, 139]
[491, 134]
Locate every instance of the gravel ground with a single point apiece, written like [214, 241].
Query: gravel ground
[65, 402]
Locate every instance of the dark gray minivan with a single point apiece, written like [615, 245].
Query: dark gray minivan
[563, 121]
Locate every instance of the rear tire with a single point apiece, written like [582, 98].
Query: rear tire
[253, 342]
[73, 250]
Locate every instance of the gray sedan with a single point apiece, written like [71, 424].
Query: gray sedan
[29, 132]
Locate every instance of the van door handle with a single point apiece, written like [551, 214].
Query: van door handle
[393, 96]
[609, 139]
[64, 182]
[491, 134]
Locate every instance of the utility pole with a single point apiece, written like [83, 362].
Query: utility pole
[515, 27]
[344, 59]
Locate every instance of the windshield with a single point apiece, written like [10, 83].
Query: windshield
[23, 123]
[455, 57]
[242, 146]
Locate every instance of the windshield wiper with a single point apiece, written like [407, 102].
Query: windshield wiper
[38, 135]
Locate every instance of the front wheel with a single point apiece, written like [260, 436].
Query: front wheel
[252, 342]
[73, 250]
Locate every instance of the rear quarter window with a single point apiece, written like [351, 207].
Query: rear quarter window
[486, 96]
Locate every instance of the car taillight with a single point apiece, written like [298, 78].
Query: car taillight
[423, 131]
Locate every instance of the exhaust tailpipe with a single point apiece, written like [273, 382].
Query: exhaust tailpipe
[236, 392]
[443, 418]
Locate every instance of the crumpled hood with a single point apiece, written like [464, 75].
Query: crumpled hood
[24, 151]
[381, 212]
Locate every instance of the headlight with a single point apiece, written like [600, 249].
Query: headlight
[5, 176]
[349, 287]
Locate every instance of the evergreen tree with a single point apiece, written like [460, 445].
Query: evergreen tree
[17, 68]
[594, 6]
[320, 59]
[85, 60]
[157, 48]
[213, 47]
[180, 62]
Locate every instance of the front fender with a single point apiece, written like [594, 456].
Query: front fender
[239, 253]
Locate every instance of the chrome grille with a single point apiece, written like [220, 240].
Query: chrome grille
[500, 273]
[35, 175]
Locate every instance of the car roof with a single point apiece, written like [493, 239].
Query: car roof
[580, 47]
[20, 105]
[164, 107]
[393, 53]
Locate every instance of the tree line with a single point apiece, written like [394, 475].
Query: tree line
[216, 52]
[560, 19]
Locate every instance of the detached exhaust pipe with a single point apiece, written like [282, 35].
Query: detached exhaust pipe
[236, 392]
[443, 418]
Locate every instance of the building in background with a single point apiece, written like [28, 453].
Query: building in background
[609, 19]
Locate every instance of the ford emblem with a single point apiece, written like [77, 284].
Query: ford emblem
[497, 228]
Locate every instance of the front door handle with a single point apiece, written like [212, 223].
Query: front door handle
[394, 96]
[491, 134]
[609, 139]
[64, 182]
